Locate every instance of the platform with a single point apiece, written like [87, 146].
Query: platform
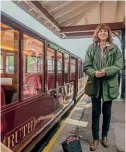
[79, 121]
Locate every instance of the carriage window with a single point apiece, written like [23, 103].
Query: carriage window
[79, 74]
[82, 73]
[9, 64]
[32, 67]
[51, 64]
[66, 58]
[79, 69]
[59, 69]
[34, 64]
[1, 63]
[72, 68]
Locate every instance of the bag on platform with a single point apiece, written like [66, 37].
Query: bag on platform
[72, 144]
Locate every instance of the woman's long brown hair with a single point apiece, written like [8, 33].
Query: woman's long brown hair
[102, 26]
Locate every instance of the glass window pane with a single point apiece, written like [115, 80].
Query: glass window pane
[9, 64]
[59, 69]
[72, 68]
[79, 68]
[32, 67]
[51, 64]
[34, 64]
[82, 73]
[66, 60]
[1, 63]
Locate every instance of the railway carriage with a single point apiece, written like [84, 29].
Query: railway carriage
[40, 82]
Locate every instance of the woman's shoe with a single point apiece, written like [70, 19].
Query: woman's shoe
[104, 142]
[94, 145]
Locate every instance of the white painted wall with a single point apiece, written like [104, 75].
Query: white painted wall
[76, 46]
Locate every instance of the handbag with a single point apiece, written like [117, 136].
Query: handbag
[88, 88]
[91, 87]
[72, 144]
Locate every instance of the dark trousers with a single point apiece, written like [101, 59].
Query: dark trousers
[96, 111]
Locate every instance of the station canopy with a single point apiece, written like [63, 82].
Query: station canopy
[75, 19]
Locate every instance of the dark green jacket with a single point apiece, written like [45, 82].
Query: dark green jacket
[113, 63]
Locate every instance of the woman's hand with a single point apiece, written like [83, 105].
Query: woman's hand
[100, 73]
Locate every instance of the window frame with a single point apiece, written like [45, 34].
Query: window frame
[74, 68]
[62, 73]
[22, 29]
[69, 56]
[43, 69]
[55, 68]
[16, 65]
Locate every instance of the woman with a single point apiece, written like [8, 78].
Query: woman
[103, 61]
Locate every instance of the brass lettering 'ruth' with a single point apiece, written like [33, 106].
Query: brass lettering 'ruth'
[19, 134]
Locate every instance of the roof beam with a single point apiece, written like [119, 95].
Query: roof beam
[77, 37]
[69, 29]
[45, 12]
[69, 8]
[74, 21]
[43, 2]
[83, 13]
[77, 19]
[79, 34]
[77, 12]
[54, 6]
